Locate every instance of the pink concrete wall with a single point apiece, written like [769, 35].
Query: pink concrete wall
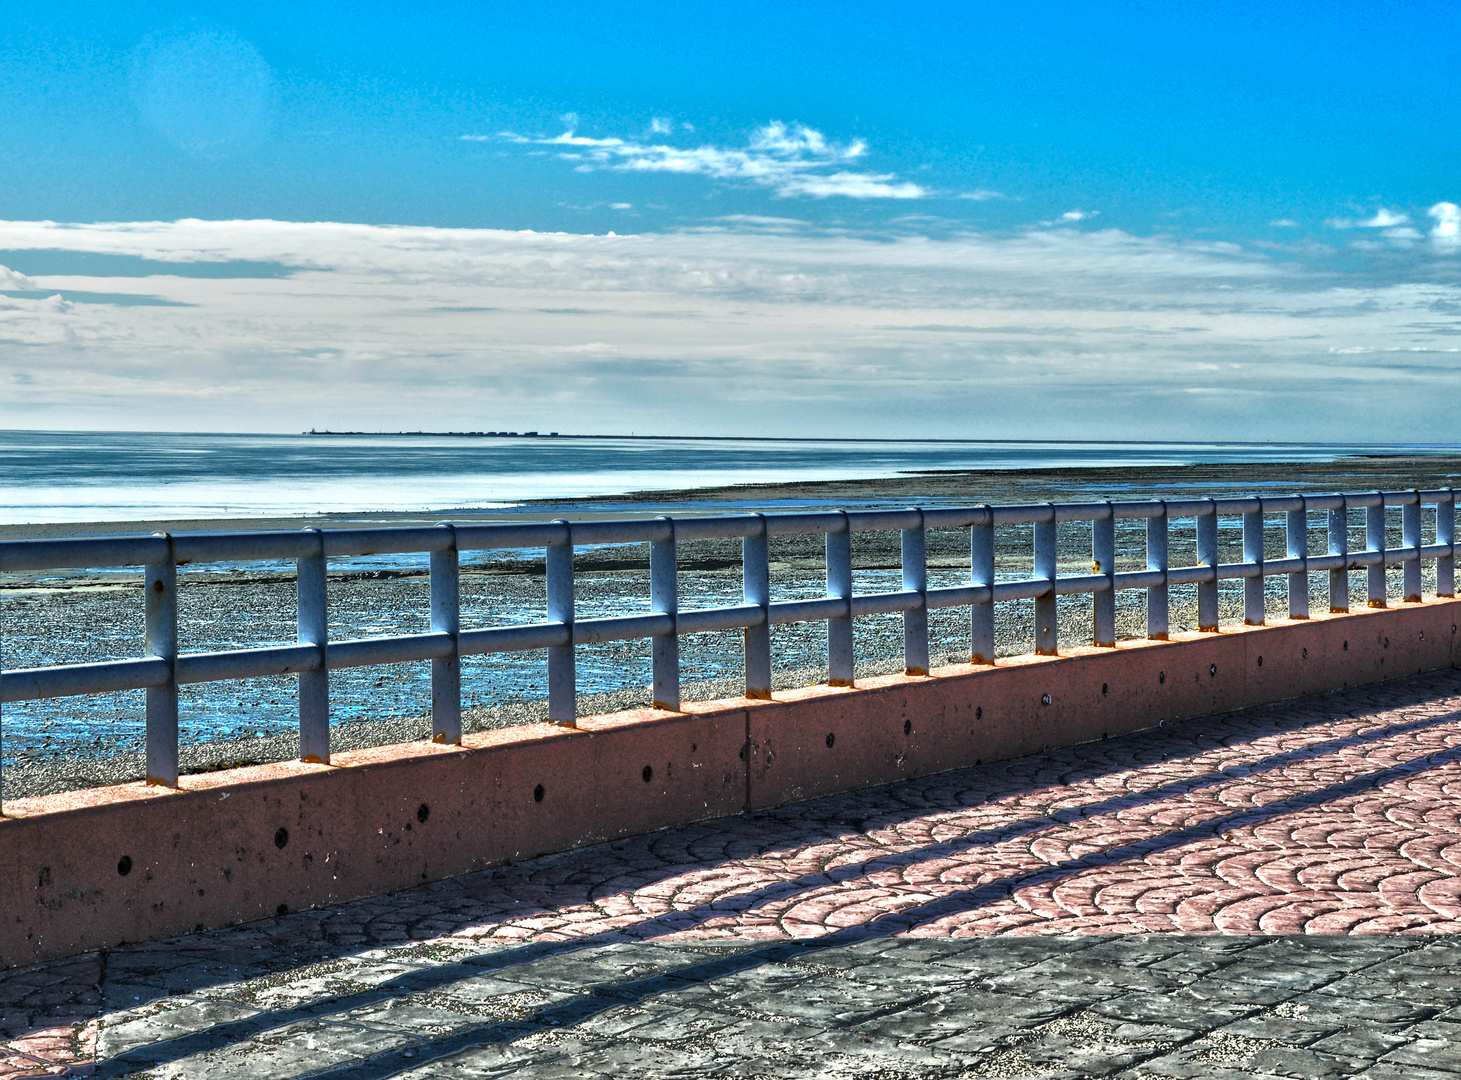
[232, 846]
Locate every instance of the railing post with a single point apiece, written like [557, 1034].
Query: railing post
[1296, 533]
[981, 572]
[1103, 561]
[1157, 602]
[664, 599]
[562, 681]
[314, 629]
[446, 671]
[160, 586]
[1410, 533]
[1047, 623]
[1208, 613]
[1254, 608]
[1339, 545]
[839, 586]
[756, 588]
[1446, 534]
[915, 579]
[1375, 541]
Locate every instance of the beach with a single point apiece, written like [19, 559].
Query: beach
[80, 742]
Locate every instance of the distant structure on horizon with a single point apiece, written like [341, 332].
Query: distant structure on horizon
[442, 434]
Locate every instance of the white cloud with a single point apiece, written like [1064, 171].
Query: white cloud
[981, 195]
[790, 159]
[1447, 229]
[1284, 223]
[1384, 219]
[9, 279]
[742, 327]
[1070, 217]
[660, 126]
[1381, 219]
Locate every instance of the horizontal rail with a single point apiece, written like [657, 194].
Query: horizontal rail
[397, 649]
[622, 628]
[66, 680]
[790, 611]
[249, 663]
[959, 596]
[705, 620]
[887, 603]
[514, 638]
[313, 657]
[107, 551]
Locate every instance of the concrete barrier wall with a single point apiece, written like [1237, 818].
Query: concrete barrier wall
[90, 869]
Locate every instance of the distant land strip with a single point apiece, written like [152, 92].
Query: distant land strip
[826, 439]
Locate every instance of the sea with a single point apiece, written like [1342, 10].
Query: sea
[53, 477]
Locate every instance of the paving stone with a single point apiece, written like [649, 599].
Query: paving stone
[1392, 1071]
[135, 1030]
[1432, 1044]
[1022, 918]
[1368, 1041]
[296, 1050]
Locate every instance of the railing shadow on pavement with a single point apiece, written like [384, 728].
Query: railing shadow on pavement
[610, 995]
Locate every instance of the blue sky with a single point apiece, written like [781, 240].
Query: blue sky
[1264, 194]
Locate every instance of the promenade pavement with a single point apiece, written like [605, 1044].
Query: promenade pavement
[1269, 893]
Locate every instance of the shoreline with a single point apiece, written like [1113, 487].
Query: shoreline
[934, 487]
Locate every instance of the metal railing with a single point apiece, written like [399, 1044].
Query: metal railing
[164, 668]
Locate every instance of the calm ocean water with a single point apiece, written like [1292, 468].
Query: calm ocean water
[55, 477]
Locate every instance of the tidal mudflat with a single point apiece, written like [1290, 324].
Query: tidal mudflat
[81, 742]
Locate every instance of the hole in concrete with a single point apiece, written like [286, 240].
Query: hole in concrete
[538, 793]
[281, 837]
[1303, 654]
[830, 739]
[648, 774]
[979, 712]
[1104, 688]
[907, 726]
[124, 865]
[282, 909]
[1387, 643]
[1212, 669]
[1346, 646]
[1161, 676]
[694, 747]
[1044, 699]
[1260, 661]
[422, 813]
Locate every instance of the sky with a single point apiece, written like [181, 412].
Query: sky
[965, 220]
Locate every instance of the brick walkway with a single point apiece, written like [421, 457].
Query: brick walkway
[961, 924]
